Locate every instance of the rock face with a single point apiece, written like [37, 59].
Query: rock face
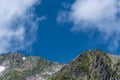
[91, 65]
[15, 66]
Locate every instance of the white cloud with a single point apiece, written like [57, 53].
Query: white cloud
[101, 15]
[17, 24]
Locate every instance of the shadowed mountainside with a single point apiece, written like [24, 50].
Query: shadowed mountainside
[91, 65]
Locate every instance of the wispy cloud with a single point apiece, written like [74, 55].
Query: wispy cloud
[18, 24]
[102, 15]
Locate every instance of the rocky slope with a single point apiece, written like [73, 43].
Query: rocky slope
[15, 66]
[91, 65]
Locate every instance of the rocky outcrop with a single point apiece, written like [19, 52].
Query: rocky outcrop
[18, 67]
[91, 65]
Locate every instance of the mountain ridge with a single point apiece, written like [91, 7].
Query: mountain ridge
[89, 65]
[26, 68]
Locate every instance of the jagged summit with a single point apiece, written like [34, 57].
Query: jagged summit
[91, 65]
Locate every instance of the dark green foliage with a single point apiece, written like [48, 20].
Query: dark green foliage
[85, 64]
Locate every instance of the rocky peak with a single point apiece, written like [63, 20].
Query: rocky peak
[91, 65]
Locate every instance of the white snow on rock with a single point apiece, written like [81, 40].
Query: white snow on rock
[2, 68]
[24, 58]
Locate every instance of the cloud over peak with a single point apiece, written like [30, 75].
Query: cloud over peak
[101, 15]
[17, 24]
[93, 10]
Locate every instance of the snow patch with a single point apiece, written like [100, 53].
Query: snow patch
[24, 58]
[2, 68]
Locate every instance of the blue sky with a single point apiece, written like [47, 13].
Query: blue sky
[56, 41]
[59, 30]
